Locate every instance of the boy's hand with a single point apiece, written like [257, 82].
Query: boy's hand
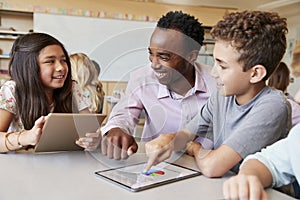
[159, 149]
[193, 148]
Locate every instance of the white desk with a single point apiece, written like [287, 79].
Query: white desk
[70, 176]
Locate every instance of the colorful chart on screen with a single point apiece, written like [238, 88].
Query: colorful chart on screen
[154, 172]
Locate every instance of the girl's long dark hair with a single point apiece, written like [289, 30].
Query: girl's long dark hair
[24, 69]
[280, 78]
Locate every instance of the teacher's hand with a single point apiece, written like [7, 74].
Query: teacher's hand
[117, 144]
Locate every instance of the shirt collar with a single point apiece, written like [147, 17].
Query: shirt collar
[163, 91]
[200, 86]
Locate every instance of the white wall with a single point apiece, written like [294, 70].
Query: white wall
[119, 46]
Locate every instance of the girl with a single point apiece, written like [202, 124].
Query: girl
[280, 79]
[40, 83]
[85, 74]
[296, 68]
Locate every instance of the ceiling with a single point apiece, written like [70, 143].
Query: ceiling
[235, 4]
[286, 8]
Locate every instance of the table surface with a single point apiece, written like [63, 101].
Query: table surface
[70, 175]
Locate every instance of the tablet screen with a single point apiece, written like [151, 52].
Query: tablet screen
[133, 178]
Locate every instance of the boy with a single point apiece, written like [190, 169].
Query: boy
[244, 115]
[276, 165]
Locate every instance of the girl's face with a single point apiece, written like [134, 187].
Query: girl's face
[53, 67]
[228, 72]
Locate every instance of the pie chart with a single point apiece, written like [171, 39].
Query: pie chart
[154, 172]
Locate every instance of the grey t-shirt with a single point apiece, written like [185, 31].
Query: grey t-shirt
[247, 128]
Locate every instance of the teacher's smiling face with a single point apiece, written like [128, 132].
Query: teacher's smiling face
[169, 60]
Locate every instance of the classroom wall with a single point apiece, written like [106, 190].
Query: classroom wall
[113, 8]
[147, 11]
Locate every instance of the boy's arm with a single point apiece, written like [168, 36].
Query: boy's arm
[214, 163]
[265, 124]
[249, 183]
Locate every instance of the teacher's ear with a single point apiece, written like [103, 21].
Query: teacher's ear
[193, 55]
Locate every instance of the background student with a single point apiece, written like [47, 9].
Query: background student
[275, 166]
[280, 79]
[86, 75]
[171, 90]
[244, 115]
[40, 83]
[296, 68]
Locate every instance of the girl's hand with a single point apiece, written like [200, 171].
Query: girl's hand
[91, 141]
[32, 136]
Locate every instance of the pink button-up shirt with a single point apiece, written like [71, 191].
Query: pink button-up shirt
[165, 111]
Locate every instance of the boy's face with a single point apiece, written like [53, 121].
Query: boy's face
[228, 72]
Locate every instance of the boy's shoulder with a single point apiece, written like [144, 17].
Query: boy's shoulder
[272, 95]
[273, 102]
[267, 98]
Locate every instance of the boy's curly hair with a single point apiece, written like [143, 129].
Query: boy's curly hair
[259, 37]
[186, 24]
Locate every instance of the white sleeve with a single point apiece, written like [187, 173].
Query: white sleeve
[282, 158]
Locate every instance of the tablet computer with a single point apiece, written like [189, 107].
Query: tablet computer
[133, 179]
[61, 130]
